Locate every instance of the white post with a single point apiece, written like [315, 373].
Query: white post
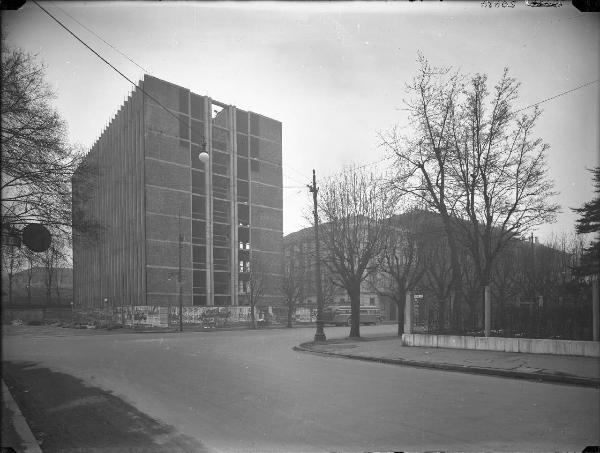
[488, 313]
[408, 312]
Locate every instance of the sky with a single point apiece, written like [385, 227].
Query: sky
[334, 74]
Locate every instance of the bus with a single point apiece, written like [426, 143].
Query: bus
[340, 315]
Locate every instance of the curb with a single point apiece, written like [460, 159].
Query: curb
[538, 377]
[20, 424]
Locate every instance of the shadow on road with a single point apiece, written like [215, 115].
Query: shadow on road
[65, 414]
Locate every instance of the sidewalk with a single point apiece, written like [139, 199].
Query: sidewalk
[584, 371]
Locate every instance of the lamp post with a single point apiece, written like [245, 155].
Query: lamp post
[179, 284]
[205, 158]
[106, 309]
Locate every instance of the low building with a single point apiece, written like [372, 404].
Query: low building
[299, 256]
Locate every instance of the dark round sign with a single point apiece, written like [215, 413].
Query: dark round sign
[36, 237]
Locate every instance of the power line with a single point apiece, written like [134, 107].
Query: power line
[128, 79]
[293, 178]
[114, 68]
[103, 59]
[520, 110]
[297, 171]
[102, 39]
[558, 95]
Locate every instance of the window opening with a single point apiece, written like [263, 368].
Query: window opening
[198, 232]
[221, 187]
[242, 168]
[219, 114]
[220, 211]
[198, 181]
[242, 145]
[243, 214]
[221, 235]
[243, 191]
[198, 207]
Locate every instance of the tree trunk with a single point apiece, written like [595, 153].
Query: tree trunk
[10, 286]
[57, 288]
[49, 288]
[252, 321]
[289, 315]
[400, 307]
[10, 278]
[354, 294]
[456, 284]
[29, 276]
[485, 281]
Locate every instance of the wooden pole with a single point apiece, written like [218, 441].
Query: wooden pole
[320, 334]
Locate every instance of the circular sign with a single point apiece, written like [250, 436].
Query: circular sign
[36, 237]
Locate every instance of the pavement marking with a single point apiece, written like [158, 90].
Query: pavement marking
[19, 422]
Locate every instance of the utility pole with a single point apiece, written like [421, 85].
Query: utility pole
[319, 335]
[179, 284]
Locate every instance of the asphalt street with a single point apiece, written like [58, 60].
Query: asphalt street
[248, 390]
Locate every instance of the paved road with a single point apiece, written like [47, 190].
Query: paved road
[247, 390]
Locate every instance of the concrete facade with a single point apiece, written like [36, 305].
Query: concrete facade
[144, 186]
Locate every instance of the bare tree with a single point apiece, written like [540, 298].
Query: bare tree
[403, 260]
[32, 260]
[13, 260]
[37, 161]
[254, 283]
[51, 260]
[504, 283]
[499, 170]
[478, 166]
[329, 286]
[422, 160]
[355, 208]
[292, 284]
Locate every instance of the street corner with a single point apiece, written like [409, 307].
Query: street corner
[64, 413]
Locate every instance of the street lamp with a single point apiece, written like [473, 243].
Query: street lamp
[179, 283]
[106, 310]
[205, 158]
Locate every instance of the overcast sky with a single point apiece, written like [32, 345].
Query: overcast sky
[332, 73]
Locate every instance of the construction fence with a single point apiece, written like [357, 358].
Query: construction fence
[200, 316]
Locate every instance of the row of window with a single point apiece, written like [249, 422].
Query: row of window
[221, 188]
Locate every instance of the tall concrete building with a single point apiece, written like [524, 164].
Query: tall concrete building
[144, 187]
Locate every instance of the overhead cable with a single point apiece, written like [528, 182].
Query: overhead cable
[102, 39]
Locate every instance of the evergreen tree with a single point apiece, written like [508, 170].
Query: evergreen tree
[589, 222]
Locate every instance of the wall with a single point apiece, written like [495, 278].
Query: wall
[37, 314]
[108, 193]
[522, 345]
[167, 190]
